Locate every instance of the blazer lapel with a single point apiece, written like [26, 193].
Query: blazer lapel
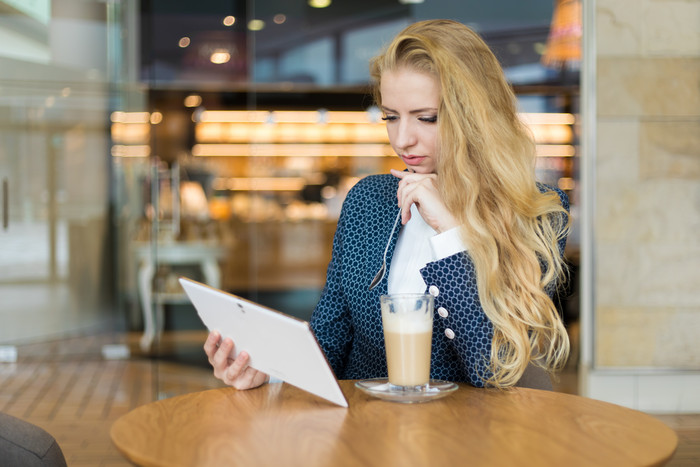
[390, 227]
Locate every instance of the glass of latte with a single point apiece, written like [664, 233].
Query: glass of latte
[408, 329]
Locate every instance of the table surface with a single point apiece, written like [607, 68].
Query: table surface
[279, 424]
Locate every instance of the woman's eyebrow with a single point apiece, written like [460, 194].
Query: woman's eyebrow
[416, 111]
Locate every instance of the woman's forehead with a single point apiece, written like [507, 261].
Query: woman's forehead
[407, 86]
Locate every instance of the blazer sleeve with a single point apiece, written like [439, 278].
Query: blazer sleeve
[461, 324]
[331, 321]
[560, 221]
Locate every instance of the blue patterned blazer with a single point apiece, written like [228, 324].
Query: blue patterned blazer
[347, 320]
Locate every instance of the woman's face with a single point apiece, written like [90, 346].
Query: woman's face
[410, 102]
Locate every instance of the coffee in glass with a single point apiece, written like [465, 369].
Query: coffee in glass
[408, 328]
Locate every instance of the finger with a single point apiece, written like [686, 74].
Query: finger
[402, 184]
[211, 345]
[237, 368]
[405, 199]
[405, 204]
[398, 173]
[419, 194]
[405, 186]
[412, 176]
[412, 187]
[419, 188]
[407, 192]
[399, 195]
[430, 205]
[247, 379]
[251, 378]
[220, 359]
[425, 180]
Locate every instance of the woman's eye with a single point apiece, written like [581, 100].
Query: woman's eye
[432, 119]
[389, 118]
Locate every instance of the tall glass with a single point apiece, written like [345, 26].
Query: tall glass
[408, 328]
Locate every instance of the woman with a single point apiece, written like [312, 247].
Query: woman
[476, 230]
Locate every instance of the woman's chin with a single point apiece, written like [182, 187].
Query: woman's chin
[420, 169]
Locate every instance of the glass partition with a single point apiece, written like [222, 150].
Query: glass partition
[58, 64]
[258, 123]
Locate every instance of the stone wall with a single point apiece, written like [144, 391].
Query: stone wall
[646, 273]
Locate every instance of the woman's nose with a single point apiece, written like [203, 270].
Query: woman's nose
[405, 136]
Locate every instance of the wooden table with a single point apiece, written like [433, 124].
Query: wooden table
[280, 425]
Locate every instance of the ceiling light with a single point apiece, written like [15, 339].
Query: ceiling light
[229, 20]
[256, 24]
[319, 3]
[220, 56]
[184, 42]
[130, 117]
[193, 100]
[156, 118]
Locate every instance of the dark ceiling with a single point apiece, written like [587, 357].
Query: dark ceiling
[513, 28]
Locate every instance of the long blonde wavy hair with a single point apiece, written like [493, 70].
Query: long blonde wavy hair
[486, 178]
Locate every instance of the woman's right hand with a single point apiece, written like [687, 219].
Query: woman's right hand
[234, 372]
[421, 190]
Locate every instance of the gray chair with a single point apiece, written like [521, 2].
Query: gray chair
[535, 377]
[26, 445]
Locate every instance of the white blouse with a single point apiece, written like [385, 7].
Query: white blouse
[419, 244]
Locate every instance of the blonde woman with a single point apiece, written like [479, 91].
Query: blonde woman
[466, 222]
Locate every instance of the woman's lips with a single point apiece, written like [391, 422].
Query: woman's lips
[412, 160]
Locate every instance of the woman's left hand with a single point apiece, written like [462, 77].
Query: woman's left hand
[421, 190]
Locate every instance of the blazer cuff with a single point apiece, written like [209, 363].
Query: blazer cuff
[447, 243]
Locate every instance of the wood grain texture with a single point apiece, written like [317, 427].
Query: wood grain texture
[279, 424]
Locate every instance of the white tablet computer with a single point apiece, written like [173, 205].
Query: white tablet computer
[279, 345]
